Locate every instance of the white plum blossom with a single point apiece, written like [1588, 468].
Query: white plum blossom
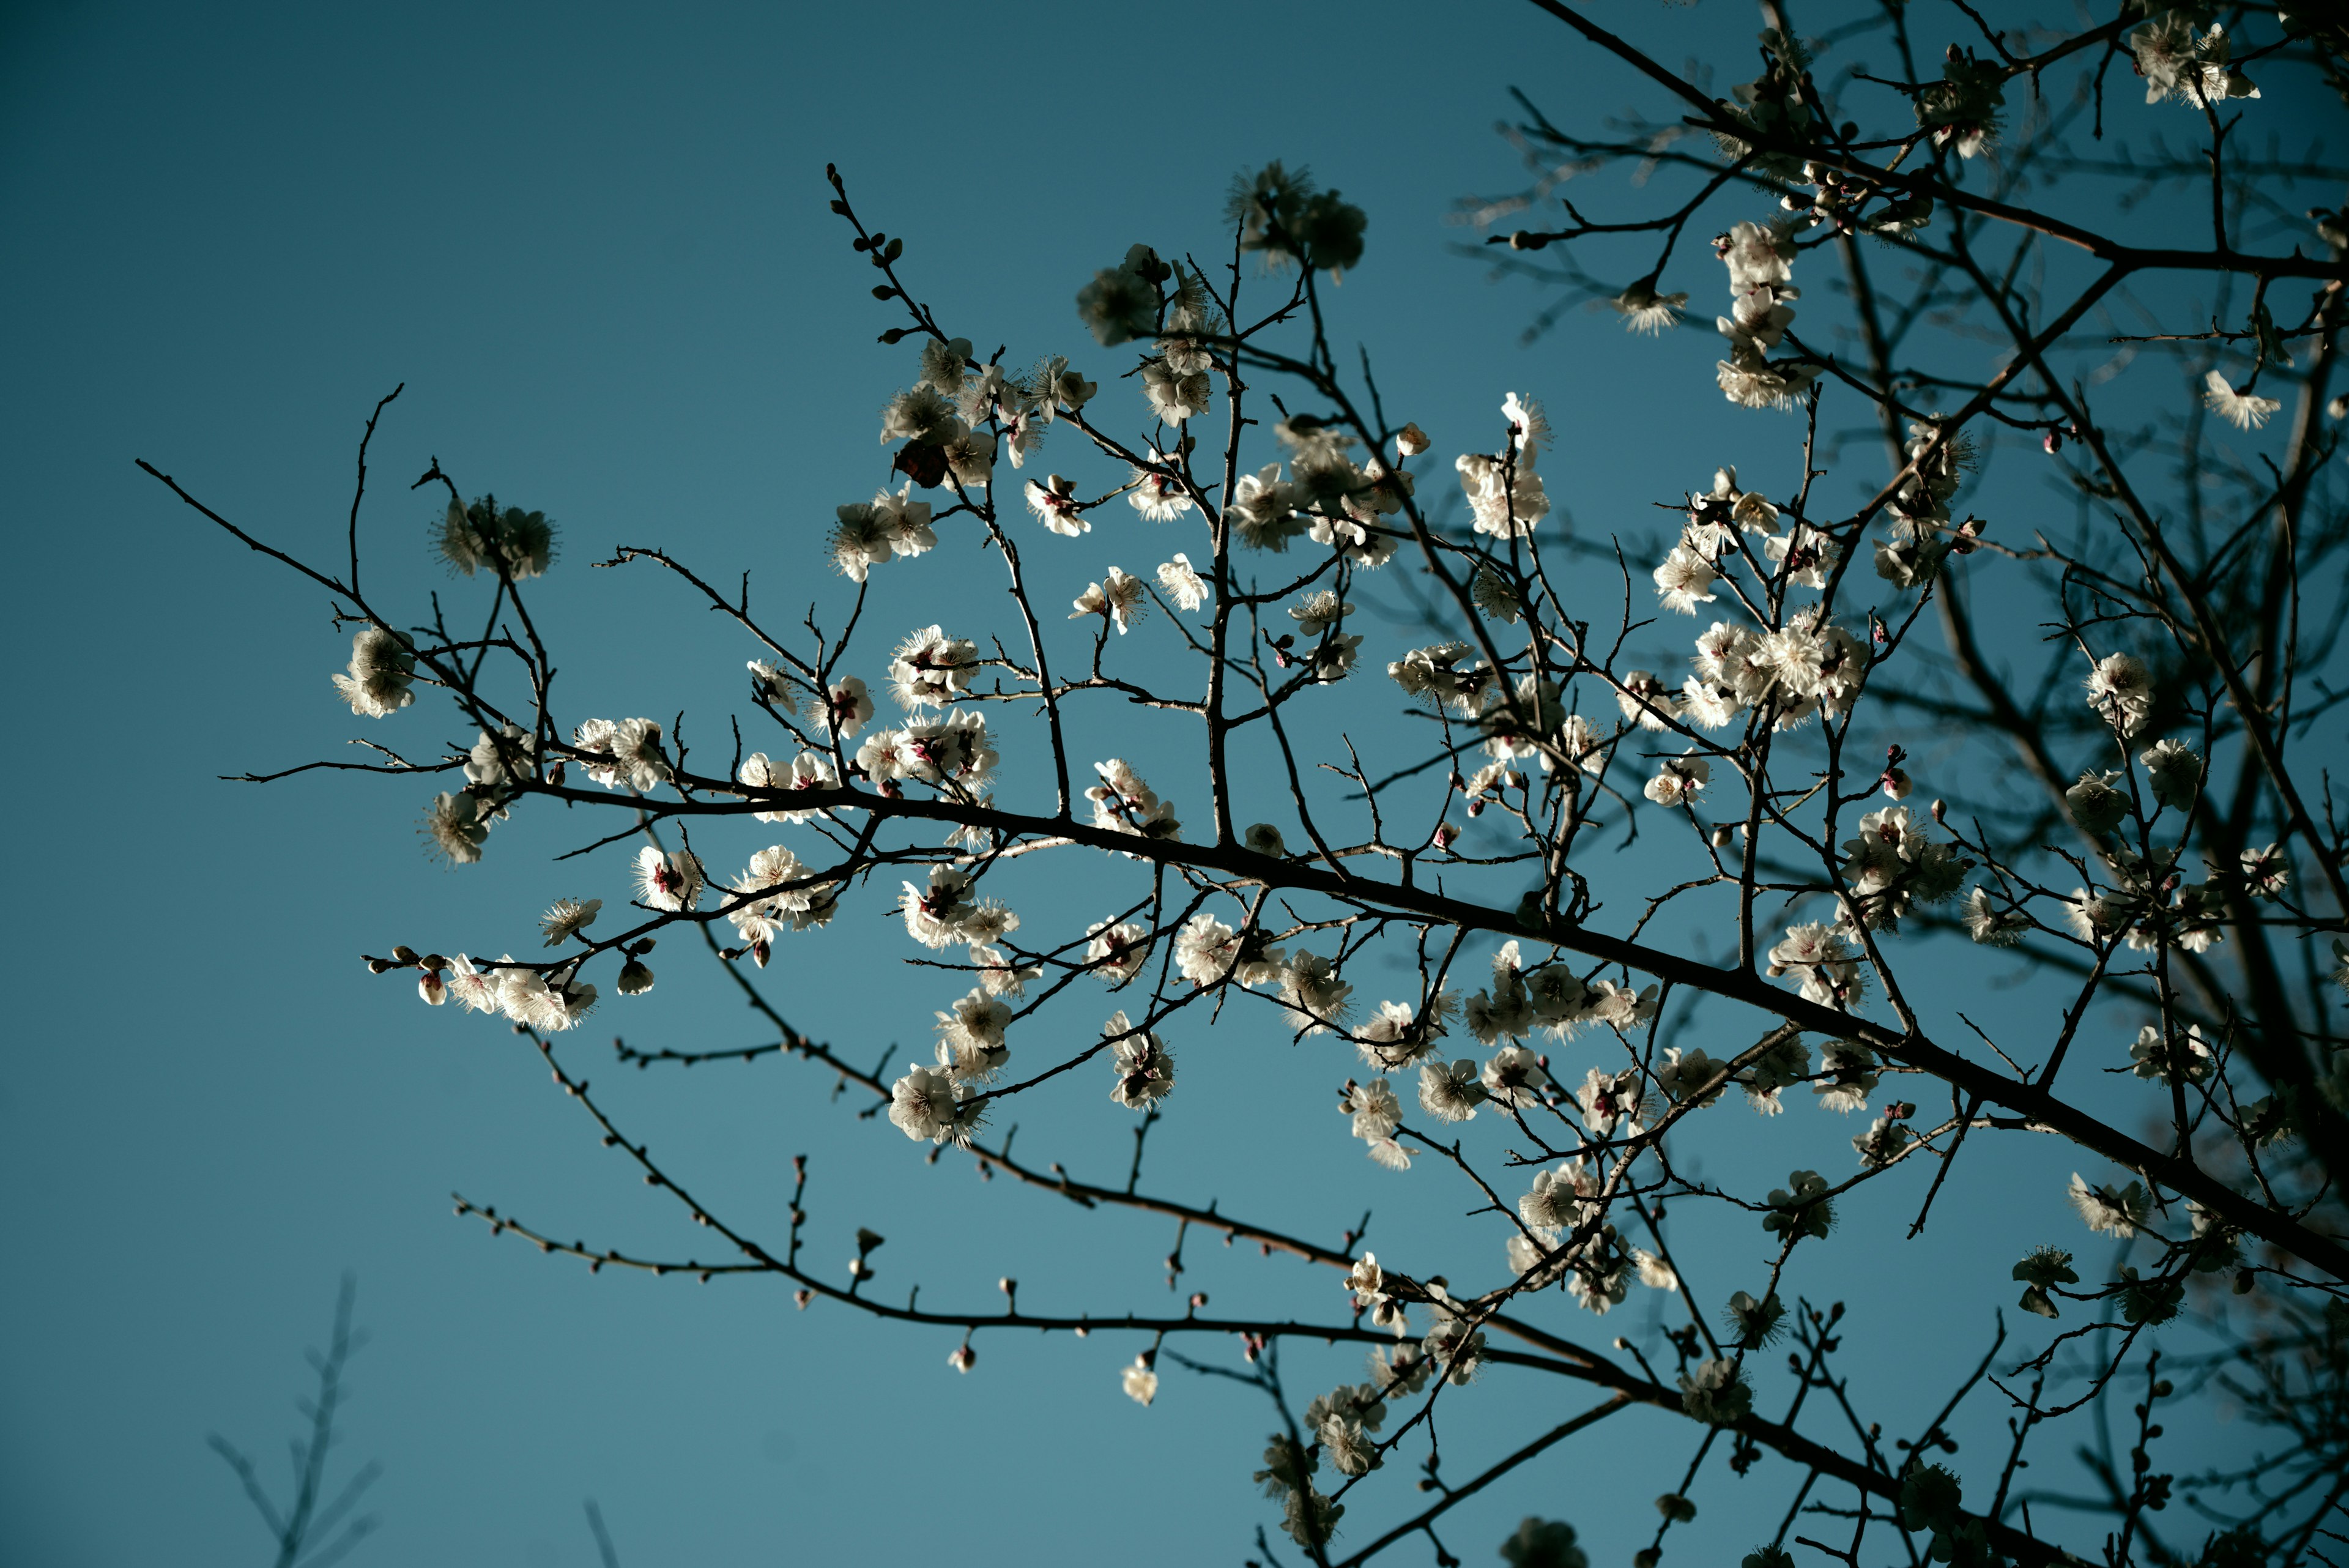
[1505, 493]
[1456, 1347]
[971, 1046]
[1612, 1100]
[1690, 1076]
[1514, 1078]
[626, 752]
[1054, 502]
[1318, 612]
[1157, 491]
[1262, 510]
[1678, 780]
[2181, 66]
[847, 708]
[936, 914]
[930, 668]
[1206, 950]
[1174, 395]
[1685, 580]
[2096, 807]
[1400, 1034]
[1117, 950]
[669, 880]
[377, 681]
[870, 534]
[2108, 1210]
[1887, 1139]
[1316, 999]
[1146, 1068]
[1761, 292]
[1803, 555]
[566, 917]
[1507, 1011]
[773, 885]
[1450, 1090]
[1182, 583]
[2151, 1055]
[1377, 1115]
[1124, 804]
[2120, 691]
[1645, 311]
[1447, 674]
[2265, 871]
[2238, 409]
[2173, 771]
[456, 825]
[1815, 957]
[927, 1103]
[1645, 700]
[1117, 598]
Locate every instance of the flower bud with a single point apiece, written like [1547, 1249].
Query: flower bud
[634, 978]
[1896, 783]
[432, 988]
[1410, 441]
[962, 1358]
[404, 953]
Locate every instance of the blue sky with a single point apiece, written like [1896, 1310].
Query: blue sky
[591, 241]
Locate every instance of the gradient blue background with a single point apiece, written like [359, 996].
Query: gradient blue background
[592, 241]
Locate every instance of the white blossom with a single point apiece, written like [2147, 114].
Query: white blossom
[2240, 409]
[1685, 580]
[930, 668]
[1146, 1068]
[566, 917]
[628, 751]
[1054, 502]
[669, 880]
[376, 680]
[926, 1104]
[2120, 689]
[1317, 998]
[2110, 1211]
[1450, 1090]
[1182, 584]
[1117, 951]
[971, 1046]
[1514, 1078]
[1117, 598]
[1678, 780]
[1124, 804]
